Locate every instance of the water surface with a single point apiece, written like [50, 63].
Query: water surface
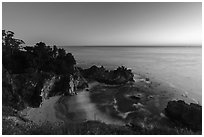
[180, 67]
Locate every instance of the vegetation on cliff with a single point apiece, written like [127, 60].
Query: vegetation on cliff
[26, 69]
[31, 74]
[19, 59]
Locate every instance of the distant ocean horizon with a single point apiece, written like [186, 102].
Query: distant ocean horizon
[179, 66]
[134, 46]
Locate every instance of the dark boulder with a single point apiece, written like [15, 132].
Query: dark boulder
[188, 115]
[135, 97]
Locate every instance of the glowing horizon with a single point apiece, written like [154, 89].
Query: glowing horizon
[80, 24]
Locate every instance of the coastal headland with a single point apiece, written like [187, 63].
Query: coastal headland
[45, 92]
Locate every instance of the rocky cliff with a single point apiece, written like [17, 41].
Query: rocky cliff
[30, 89]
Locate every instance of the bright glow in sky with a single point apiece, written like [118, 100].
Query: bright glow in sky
[105, 23]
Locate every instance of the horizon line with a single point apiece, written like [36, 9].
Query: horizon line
[131, 46]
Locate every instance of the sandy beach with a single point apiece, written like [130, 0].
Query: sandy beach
[45, 113]
[68, 109]
[106, 103]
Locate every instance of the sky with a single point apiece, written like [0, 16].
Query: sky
[92, 24]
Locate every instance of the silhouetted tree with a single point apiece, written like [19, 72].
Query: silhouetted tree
[12, 57]
[32, 65]
[39, 57]
[54, 51]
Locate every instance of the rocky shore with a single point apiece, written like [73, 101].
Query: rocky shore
[44, 92]
[136, 102]
[189, 115]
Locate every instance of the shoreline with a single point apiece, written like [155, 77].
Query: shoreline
[82, 109]
[44, 113]
[187, 95]
[42, 87]
[67, 109]
[141, 103]
[180, 94]
[78, 108]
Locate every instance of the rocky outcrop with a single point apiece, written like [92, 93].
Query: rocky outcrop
[136, 96]
[27, 88]
[189, 115]
[121, 75]
[48, 86]
[76, 81]
[64, 84]
[7, 94]
[79, 81]
[30, 89]
[10, 97]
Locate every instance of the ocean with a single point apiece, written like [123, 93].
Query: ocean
[180, 67]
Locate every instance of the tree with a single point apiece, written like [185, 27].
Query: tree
[40, 57]
[12, 59]
[54, 51]
[10, 42]
[61, 53]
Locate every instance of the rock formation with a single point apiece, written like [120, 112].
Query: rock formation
[121, 75]
[30, 89]
[48, 86]
[189, 115]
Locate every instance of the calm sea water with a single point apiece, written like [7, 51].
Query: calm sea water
[180, 67]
